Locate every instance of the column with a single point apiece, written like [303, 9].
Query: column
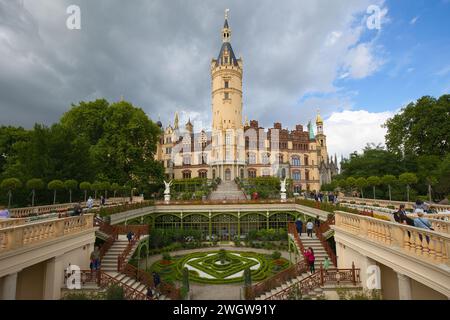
[9, 287]
[404, 287]
[54, 278]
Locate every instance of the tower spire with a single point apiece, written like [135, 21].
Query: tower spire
[226, 31]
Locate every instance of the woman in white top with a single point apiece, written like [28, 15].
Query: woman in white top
[309, 228]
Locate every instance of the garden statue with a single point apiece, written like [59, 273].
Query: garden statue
[283, 190]
[167, 190]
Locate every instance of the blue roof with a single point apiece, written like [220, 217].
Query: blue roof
[227, 46]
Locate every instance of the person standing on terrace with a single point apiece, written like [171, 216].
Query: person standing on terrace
[4, 213]
[299, 226]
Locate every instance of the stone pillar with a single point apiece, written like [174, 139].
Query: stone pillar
[9, 287]
[54, 278]
[404, 287]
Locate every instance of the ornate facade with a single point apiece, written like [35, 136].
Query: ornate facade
[234, 148]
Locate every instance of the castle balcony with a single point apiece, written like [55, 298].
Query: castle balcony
[404, 262]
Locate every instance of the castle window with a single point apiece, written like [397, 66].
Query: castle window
[203, 174]
[228, 139]
[227, 95]
[296, 161]
[251, 158]
[226, 84]
[296, 175]
[186, 159]
[252, 173]
[186, 174]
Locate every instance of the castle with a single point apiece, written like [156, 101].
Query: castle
[235, 148]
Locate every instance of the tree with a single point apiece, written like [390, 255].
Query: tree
[389, 180]
[407, 179]
[10, 184]
[373, 181]
[85, 186]
[96, 186]
[185, 287]
[351, 183]
[115, 187]
[421, 128]
[70, 185]
[55, 185]
[33, 185]
[361, 183]
[342, 183]
[106, 186]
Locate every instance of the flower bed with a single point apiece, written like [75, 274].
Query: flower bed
[221, 267]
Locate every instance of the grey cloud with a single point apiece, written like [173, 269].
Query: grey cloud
[157, 54]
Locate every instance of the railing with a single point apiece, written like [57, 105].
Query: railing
[122, 258]
[129, 292]
[431, 246]
[437, 216]
[222, 202]
[6, 223]
[316, 280]
[65, 207]
[325, 243]
[23, 235]
[408, 205]
[440, 225]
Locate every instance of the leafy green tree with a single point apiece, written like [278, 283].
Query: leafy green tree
[9, 136]
[351, 183]
[361, 183]
[421, 128]
[55, 185]
[85, 186]
[10, 184]
[342, 183]
[373, 181]
[96, 186]
[389, 180]
[33, 185]
[407, 179]
[106, 186]
[70, 185]
[443, 185]
[115, 187]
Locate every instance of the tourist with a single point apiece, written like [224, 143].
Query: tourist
[326, 264]
[401, 217]
[331, 197]
[102, 200]
[95, 259]
[317, 222]
[299, 226]
[309, 228]
[156, 279]
[77, 210]
[90, 203]
[309, 254]
[321, 197]
[4, 213]
[421, 222]
[130, 236]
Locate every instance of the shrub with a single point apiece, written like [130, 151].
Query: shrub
[166, 256]
[276, 255]
[115, 292]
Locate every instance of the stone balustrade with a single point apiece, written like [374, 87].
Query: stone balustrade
[41, 210]
[396, 204]
[18, 236]
[432, 246]
[6, 223]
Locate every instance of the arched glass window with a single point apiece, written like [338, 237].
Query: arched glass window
[295, 161]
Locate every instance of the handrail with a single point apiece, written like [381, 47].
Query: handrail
[319, 279]
[437, 207]
[325, 244]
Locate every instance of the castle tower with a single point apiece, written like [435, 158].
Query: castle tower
[227, 155]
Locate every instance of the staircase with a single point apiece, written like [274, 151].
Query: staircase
[227, 190]
[320, 254]
[319, 251]
[110, 261]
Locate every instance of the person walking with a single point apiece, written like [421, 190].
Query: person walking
[90, 203]
[309, 254]
[326, 264]
[95, 260]
[309, 228]
[77, 210]
[299, 226]
[130, 236]
[4, 213]
[156, 279]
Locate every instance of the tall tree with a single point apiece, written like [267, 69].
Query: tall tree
[85, 186]
[10, 184]
[55, 185]
[422, 128]
[373, 181]
[361, 183]
[407, 179]
[33, 185]
[70, 185]
[389, 180]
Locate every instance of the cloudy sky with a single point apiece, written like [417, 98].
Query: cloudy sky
[299, 56]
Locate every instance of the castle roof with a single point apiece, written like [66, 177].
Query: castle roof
[226, 47]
